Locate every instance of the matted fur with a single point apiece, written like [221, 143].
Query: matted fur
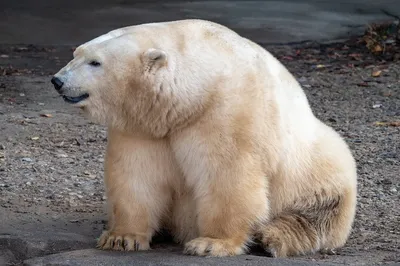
[212, 138]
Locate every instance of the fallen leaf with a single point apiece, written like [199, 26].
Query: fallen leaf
[363, 84]
[355, 56]
[287, 57]
[34, 138]
[376, 73]
[394, 123]
[46, 115]
[387, 93]
[378, 48]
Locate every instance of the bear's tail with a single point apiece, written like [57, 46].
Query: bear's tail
[310, 226]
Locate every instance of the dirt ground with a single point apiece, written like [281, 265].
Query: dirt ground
[51, 156]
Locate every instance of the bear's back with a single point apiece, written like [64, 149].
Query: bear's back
[202, 51]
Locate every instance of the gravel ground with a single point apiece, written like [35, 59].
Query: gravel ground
[51, 156]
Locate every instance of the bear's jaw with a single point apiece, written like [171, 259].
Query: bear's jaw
[77, 99]
[74, 100]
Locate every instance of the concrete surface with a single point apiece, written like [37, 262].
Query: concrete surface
[89, 257]
[19, 245]
[75, 21]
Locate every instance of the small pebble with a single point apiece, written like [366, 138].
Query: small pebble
[394, 190]
[302, 79]
[27, 159]
[92, 176]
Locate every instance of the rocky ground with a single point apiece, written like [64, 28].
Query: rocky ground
[51, 157]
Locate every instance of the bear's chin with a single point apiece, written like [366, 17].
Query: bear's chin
[74, 100]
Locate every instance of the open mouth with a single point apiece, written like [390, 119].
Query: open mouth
[78, 99]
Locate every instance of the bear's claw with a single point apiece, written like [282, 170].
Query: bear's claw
[204, 246]
[125, 242]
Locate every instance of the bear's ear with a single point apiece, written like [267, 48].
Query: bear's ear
[154, 59]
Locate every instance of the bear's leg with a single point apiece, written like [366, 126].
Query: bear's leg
[138, 180]
[324, 223]
[229, 187]
[183, 219]
[228, 205]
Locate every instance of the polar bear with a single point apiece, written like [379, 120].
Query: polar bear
[210, 137]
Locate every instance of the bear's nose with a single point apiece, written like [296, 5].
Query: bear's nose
[57, 83]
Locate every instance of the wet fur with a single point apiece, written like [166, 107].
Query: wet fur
[215, 141]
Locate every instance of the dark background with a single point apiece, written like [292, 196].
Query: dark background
[75, 21]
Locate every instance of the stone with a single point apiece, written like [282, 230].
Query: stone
[18, 245]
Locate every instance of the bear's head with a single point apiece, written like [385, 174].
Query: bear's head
[122, 83]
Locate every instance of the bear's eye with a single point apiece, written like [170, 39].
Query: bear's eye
[94, 63]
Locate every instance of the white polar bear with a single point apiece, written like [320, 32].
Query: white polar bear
[212, 138]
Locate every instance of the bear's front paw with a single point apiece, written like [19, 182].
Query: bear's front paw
[204, 246]
[123, 242]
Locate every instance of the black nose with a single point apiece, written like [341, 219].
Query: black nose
[57, 83]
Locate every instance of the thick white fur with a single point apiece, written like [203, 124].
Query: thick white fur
[211, 137]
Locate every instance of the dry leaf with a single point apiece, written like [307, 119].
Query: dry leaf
[287, 57]
[46, 115]
[363, 84]
[387, 93]
[378, 48]
[355, 56]
[380, 123]
[376, 73]
[394, 123]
